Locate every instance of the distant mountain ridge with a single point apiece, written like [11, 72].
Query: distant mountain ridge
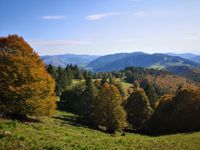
[190, 56]
[138, 59]
[119, 61]
[65, 59]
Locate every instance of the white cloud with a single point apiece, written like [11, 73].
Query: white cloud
[59, 42]
[53, 17]
[100, 16]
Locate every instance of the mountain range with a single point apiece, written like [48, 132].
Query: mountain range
[64, 60]
[119, 61]
[138, 59]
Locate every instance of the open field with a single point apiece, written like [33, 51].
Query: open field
[63, 132]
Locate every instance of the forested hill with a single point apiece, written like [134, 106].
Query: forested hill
[138, 59]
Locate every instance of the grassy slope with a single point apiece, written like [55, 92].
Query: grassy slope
[61, 132]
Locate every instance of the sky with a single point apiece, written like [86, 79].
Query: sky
[99, 27]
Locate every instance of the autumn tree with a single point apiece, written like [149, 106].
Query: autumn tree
[25, 86]
[138, 108]
[160, 121]
[108, 111]
[186, 110]
[177, 113]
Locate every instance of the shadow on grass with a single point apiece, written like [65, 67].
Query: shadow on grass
[21, 118]
[158, 133]
[74, 120]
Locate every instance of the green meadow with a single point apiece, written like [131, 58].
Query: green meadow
[63, 132]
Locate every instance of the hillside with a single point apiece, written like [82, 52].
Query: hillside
[196, 59]
[104, 60]
[160, 61]
[187, 72]
[163, 80]
[64, 60]
[63, 132]
[183, 55]
[190, 56]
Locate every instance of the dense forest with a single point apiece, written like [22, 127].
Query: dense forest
[158, 102]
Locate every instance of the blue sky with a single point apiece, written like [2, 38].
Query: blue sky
[104, 26]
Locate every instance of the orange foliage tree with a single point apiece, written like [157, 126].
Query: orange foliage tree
[25, 86]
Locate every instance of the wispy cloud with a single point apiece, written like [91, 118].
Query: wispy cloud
[95, 17]
[53, 17]
[60, 42]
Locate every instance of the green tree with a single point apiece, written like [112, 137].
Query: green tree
[70, 99]
[138, 108]
[52, 71]
[25, 86]
[108, 111]
[104, 80]
[88, 101]
[63, 80]
[150, 91]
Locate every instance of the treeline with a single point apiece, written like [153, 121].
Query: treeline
[64, 76]
[101, 106]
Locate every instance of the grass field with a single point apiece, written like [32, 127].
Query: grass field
[62, 132]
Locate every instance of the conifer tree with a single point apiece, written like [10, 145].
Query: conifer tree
[88, 101]
[63, 81]
[52, 71]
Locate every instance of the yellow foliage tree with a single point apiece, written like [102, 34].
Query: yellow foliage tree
[108, 111]
[25, 86]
